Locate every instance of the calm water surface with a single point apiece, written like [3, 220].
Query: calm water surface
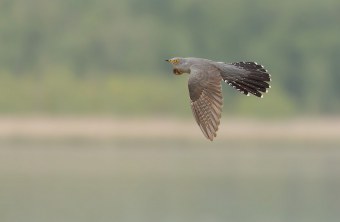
[172, 180]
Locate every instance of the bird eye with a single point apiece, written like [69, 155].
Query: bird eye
[175, 61]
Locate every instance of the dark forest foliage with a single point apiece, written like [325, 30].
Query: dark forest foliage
[52, 49]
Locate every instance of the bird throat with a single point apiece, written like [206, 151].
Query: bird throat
[177, 72]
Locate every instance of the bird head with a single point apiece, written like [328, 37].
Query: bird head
[179, 65]
[174, 61]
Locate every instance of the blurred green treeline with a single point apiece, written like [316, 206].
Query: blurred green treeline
[93, 57]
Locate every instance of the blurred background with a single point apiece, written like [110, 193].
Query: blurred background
[95, 127]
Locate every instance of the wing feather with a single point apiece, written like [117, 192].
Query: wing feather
[206, 99]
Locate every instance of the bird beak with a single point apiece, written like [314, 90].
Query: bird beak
[167, 60]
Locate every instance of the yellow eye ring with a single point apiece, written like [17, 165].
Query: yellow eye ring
[175, 61]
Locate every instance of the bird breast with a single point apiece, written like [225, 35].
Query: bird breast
[177, 72]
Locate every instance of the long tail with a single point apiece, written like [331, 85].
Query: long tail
[251, 78]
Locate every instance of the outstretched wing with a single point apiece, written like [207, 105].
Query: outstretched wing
[206, 98]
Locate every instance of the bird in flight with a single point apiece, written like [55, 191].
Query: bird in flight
[205, 88]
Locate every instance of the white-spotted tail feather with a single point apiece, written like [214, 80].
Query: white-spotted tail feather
[254, 80]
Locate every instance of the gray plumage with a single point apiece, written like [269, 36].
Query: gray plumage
[205, 88]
